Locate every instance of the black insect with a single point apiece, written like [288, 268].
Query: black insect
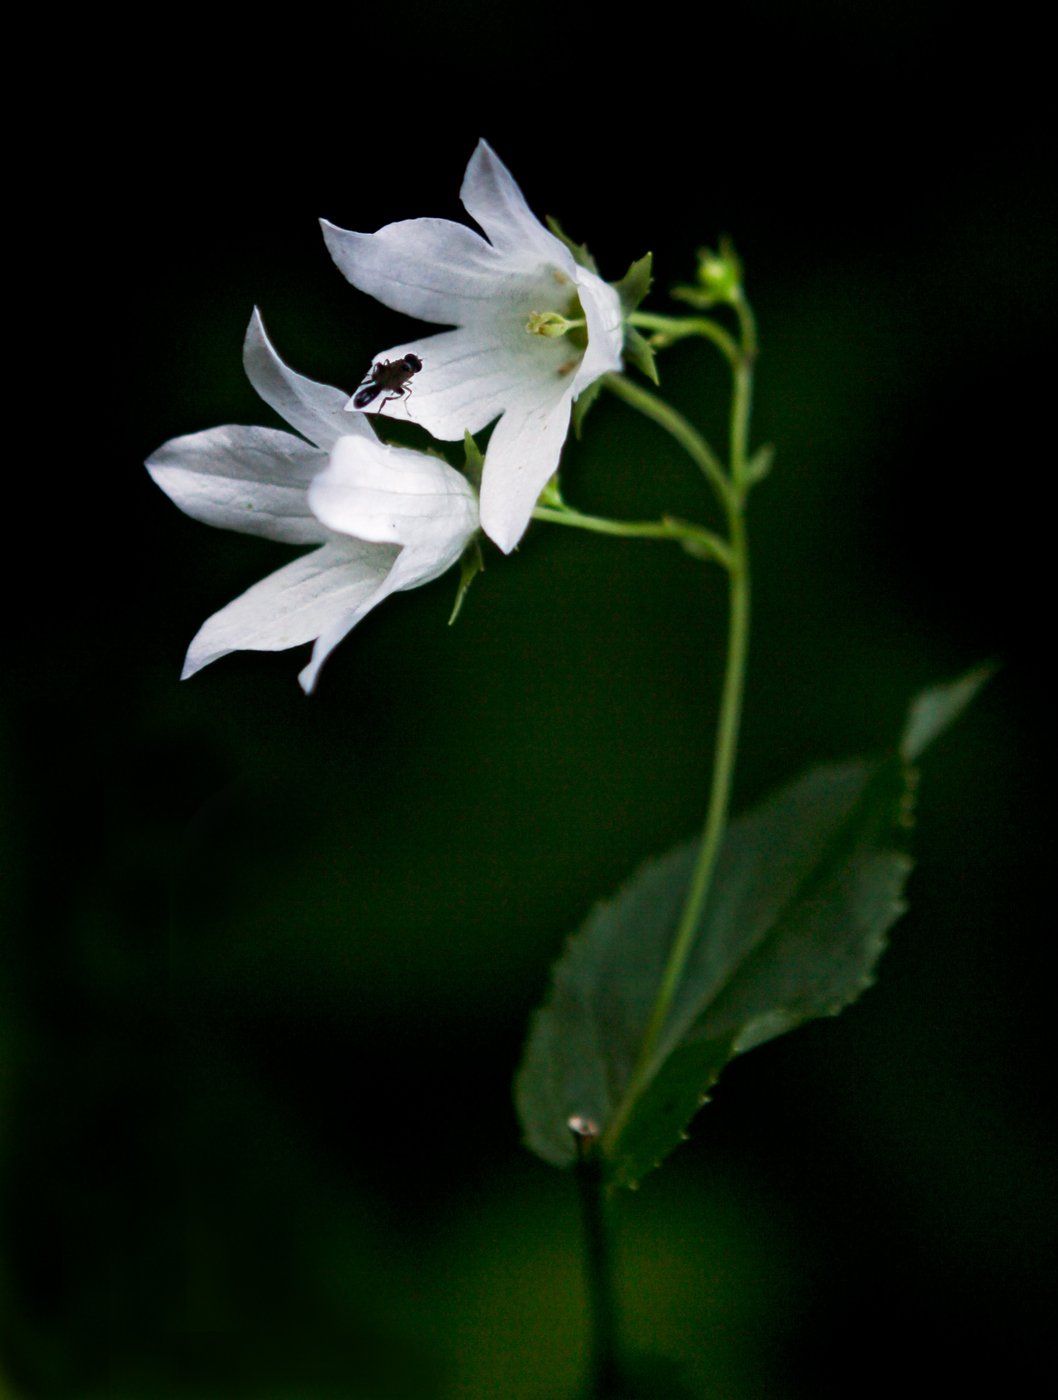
[389, 377]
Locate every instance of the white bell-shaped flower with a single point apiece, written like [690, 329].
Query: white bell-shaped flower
[386, 519]
[508, 298]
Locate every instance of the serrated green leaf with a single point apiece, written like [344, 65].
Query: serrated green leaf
[635, 284]
[583, 403]
[804, 893]
[640, 353]
[581, 256]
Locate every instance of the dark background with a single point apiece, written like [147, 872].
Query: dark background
[268, 959]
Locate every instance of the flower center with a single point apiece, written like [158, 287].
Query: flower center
[553, 325]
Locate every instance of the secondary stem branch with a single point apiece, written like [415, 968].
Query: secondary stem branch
[675, 328]
[702, 542]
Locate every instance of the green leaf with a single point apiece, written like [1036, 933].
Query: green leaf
[581, 256]
[805, 890]
[470, 564]
[936, 708]
[640, 353]
[635, 284]
[581, 405]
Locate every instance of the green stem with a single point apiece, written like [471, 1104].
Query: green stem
[680, 327]
[743, 395]
[604, 1370]
[726, 732]
[719, 800]
[703, 543]
[689, 438]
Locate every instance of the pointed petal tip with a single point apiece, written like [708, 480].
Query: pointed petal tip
[255, 334]
[310, 674]
[502, 535]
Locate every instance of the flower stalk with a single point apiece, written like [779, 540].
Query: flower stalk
[732, 488]
[696, 539]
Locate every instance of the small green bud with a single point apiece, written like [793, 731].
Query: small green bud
[720, 273]
[719, 278]
[549, 323]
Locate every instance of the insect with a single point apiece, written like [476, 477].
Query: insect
[389, 377]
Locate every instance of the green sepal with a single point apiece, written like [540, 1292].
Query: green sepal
[470, 563]
[474, 462]
[639, 352]
[581, 256]
[700, 543]
[582, 403]
[635, 284]
[694, 296]
[551, 495]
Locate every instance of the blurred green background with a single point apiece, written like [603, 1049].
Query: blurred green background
[268, 960]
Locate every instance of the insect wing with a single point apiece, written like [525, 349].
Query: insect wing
[367, 392]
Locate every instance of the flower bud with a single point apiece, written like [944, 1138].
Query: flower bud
[720, 273]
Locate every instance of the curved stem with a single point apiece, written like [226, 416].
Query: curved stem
[689, 438]
[719, 800]
[701, 542]
[726, 733]
[680, 327]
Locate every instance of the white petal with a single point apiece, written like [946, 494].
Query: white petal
[522, 455]
[315, 410]
[492, 199]
[296, 603]
[393, 494]
[250, 479]
[602, 312]
[469, 376]
[337, 632]
[428, 268]
[416, 564]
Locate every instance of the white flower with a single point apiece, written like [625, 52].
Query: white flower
[386, 518]
[439, 271]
